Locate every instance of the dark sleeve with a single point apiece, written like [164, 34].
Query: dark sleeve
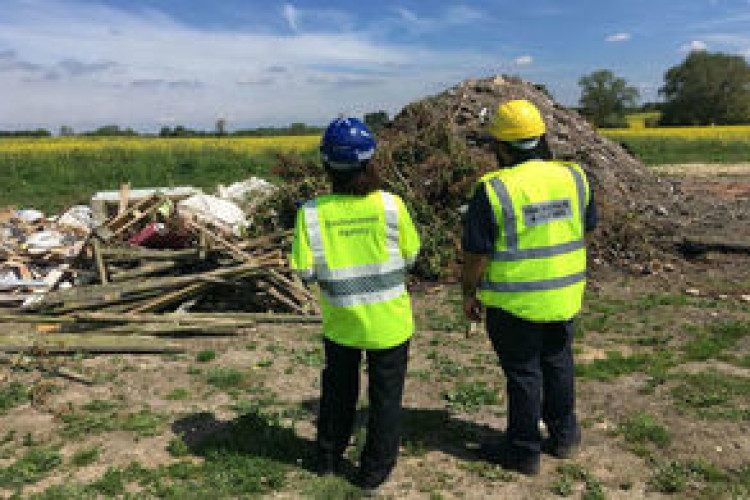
[480, 228]
[592, 217]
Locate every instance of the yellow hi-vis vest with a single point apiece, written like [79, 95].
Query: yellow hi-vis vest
[538, 268]
[358, 248]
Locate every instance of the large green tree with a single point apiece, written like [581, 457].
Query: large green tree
[605, 98]
[707, 88]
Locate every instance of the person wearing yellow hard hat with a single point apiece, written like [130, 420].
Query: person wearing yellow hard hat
[525, 264]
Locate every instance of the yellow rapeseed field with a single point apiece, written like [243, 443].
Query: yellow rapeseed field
[63, 145]
[719, 133]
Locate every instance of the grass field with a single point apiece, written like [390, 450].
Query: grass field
[666, 145]
[51, 174]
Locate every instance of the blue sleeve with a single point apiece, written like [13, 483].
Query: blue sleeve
[591, 216]
[480, 227]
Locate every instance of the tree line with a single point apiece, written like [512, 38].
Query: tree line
[707, 88]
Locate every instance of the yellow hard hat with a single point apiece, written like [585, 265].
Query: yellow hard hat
[516, 120]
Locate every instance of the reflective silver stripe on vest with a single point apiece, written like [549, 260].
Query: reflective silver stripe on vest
[314, 234]
[538, 253]
[366, 284]
[363, 284]
[357, 271]
[581, 188]
[509, 214]
[534, 286]
[367, 298]
[391, 226]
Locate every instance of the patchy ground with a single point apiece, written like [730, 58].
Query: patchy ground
[663, 373]
[663, 392]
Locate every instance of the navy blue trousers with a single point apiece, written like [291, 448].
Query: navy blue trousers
[386, 369]
[537, 360]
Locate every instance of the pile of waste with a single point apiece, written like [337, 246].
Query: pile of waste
[36, 253]
[434, 150]
[159, 261]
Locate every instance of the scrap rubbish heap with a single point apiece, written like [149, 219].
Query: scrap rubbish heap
[135, 255]
[158, 262]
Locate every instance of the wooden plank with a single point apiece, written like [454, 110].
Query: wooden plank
[90, 293]
[239, 319]
[690, 245]
[120, 254]
[170, 330]
[124, 198]
[75, 349]
[234, 250]
[10, 298]
[142, 271]
[73, 343]
[169, 298]
[98, 258]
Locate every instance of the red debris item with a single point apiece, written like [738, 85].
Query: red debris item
[158, 235]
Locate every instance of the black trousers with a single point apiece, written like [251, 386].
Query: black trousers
[338, 403]
[537, 360]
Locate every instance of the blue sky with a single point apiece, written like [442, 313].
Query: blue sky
[149, 63]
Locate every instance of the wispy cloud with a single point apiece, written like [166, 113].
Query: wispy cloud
[344, 81]
[74, 67]
[291, 16]
[452, 16]
[69, 54]
[735, 43]
[258, 82]
[524, 60]
[618, 37]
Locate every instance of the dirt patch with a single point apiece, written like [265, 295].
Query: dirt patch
[141, 407]
[705, 169]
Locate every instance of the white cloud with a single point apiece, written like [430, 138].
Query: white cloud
[290, 14]
[136, 67]
[456, 15]
[737, 43]
[618, 37]
[694, 45]
[524, 60]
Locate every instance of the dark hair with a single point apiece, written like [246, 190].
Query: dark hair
[514, 155]
[360, 182]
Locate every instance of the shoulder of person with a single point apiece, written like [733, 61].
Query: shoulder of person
[382, 192]
[567, 164]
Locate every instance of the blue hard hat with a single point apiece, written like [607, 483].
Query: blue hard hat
[346, 144]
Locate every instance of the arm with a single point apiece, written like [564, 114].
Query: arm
[408, 237]
[301, 258]
[591, 216]
[471, 274]
[478, 242]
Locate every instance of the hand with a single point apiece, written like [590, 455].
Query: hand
[472, 309]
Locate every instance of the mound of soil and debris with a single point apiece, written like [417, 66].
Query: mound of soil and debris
[433, 152]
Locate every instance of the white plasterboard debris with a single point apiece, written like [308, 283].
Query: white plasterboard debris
[100, 200]
[224, 214]
[78, 217]
[247, 191]
[29, 215]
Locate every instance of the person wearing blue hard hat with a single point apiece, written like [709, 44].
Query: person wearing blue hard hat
[357, 243]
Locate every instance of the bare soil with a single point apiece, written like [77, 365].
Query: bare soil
[449, 406]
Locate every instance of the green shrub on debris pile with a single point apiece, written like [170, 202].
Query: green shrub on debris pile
[432, 170]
